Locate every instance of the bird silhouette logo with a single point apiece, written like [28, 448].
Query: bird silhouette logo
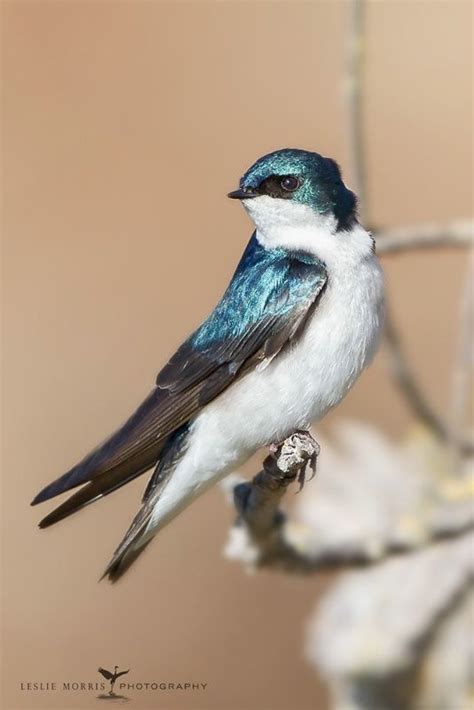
[111, 677]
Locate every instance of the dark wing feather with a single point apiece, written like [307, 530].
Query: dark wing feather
[106, 674]
[264, 307]
[122, 673]
[284, 314]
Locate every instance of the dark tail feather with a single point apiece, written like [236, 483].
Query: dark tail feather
[135, 440]
[117, 567]
[136, 539]
[128, 453]
[101, 486]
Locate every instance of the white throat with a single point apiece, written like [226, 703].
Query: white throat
[291, 225]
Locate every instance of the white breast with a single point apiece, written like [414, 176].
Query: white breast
[300, 385]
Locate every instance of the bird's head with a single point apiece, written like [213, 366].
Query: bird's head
[292, 187]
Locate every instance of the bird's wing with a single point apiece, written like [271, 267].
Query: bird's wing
[106, 674]
[264, 307]
[289, 302]
[122, 673]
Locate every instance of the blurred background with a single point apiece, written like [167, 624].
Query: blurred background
[124, 126]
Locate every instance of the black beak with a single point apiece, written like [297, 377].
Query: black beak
[242, 194]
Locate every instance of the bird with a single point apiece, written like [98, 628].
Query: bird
[299, 321]
[112, 677]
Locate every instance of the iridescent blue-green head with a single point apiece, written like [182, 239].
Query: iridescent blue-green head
[286, 184]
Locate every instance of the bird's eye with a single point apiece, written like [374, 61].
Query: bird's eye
[290, 183]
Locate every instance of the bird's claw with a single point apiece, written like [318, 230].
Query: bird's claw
[295, 455]
[311, 465]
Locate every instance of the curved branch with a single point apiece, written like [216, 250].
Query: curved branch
[408, 385]
[395, 241]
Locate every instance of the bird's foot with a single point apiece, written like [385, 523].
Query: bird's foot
[294, 456]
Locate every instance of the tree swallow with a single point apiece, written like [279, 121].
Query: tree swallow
[296, 326]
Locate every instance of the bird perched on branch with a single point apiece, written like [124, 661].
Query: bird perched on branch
[297, 324]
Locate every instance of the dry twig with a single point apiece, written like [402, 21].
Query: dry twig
[459, 233]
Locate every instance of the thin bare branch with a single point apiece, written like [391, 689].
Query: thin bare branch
[408, 386]
[454, 234]
[353, 96]
[462, 369]
[459, 233]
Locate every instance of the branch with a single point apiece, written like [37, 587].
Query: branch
[262, 537]
[408, 385]
[259, 538]
[355, 60]
[459, 233]
[462, 369]
[395, 241]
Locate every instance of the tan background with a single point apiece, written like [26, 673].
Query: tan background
[125, 124]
